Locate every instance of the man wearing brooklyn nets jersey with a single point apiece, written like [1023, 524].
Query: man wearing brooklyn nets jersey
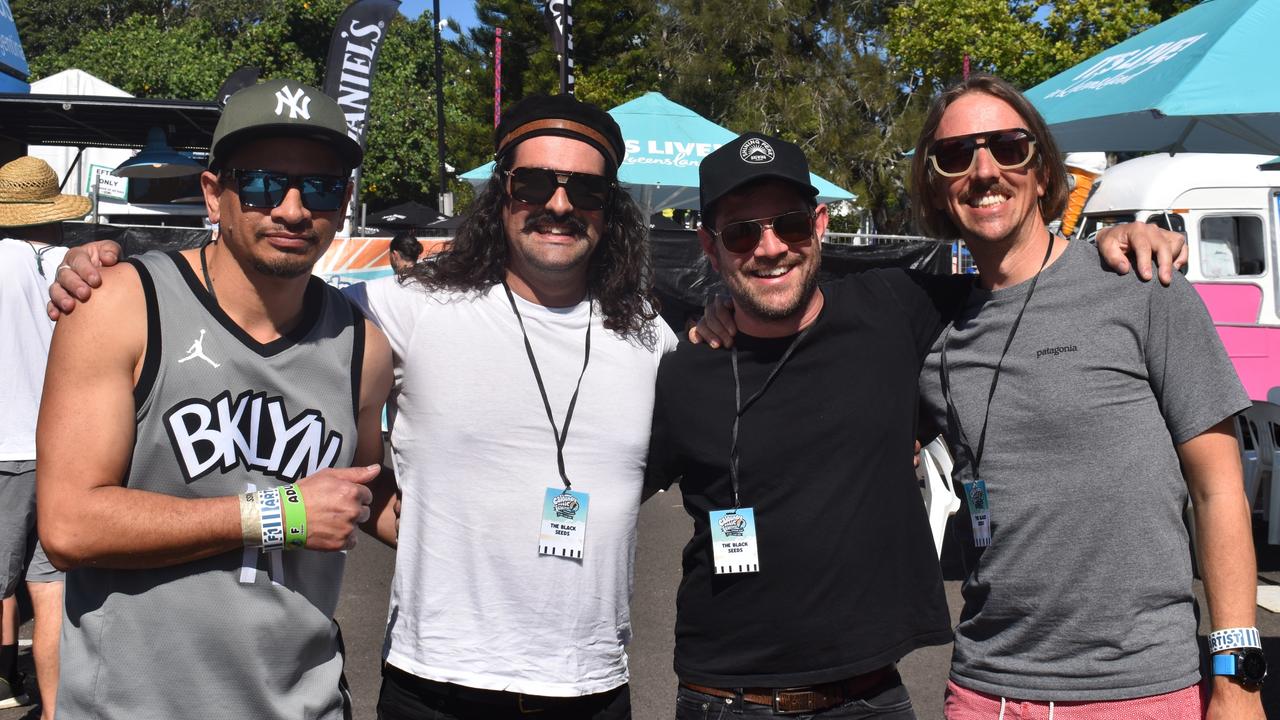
[214, 391]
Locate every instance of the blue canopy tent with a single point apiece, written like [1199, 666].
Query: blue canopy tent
[1202, 81]
[13, 62]
[665, 142]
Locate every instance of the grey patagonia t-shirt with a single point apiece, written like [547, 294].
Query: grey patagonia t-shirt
[1085, 590]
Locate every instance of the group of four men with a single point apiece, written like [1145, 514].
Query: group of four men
[202, 514]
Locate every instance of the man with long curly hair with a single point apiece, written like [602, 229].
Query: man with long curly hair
[527, 353]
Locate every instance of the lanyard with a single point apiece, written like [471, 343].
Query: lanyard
[204, 268]
[741, 407]
[39, 251]
[953, 417]
[560, 435]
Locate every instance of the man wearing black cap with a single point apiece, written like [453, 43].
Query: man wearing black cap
[196, 478]
[811, 570]
[527, 353]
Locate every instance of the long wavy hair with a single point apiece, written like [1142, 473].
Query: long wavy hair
[935, 222]
[619, 273]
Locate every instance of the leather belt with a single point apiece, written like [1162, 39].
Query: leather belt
[810, 698]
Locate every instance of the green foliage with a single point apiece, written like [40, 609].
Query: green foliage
[56, 26]
[808, 71]
[402, 160]
[1023, 41]
[190, 48]
[848, 80]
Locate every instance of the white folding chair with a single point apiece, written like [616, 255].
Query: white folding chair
[1264, 419]
[940, 499]
[1247, 436]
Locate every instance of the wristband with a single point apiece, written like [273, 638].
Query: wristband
[1234, 639]
[295, 517]
[250, 525]
[270, 519]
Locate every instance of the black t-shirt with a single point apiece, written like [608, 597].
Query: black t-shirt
[849, 578]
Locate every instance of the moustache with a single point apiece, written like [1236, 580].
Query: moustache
[996, 186]
[574, 225]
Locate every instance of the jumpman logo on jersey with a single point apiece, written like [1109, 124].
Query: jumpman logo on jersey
[197, 351]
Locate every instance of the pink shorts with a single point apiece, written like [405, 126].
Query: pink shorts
[965, 704]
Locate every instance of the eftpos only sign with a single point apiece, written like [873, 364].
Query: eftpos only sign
[353, 58]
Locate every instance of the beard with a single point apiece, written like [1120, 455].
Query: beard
[287, 267]
[745, 299]
[286, 264]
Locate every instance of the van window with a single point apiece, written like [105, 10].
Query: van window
[1168, 221]
[1093, 223]
[1231, 246]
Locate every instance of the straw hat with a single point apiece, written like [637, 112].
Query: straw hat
[29, 195]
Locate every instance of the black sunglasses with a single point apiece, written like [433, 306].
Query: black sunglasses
[793, 228]
[536, 186]
[265, 189]
[956, 156]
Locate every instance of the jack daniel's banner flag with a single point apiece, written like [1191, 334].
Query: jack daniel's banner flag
[559, 17]
[353, 56]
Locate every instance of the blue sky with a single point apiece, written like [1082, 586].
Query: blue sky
[463, 11]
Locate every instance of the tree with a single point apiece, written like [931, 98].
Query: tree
[613, 63]
[188, 50]
[1023, 41]
[56, 26]
[809, 71]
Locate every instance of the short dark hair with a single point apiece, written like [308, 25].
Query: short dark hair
[935, 222]
[407, 245]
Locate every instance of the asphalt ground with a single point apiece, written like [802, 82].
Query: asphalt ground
[664, 528]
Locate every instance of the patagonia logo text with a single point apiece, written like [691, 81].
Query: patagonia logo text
[1055, 350]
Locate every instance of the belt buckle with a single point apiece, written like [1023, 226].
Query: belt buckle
[777, 700]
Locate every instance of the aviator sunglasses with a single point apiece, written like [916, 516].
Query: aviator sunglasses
[792, 228]
[956, 156]
[265, 189]
[536, 186]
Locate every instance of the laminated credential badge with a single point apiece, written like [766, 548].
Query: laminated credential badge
[733, 541]
[564, 523]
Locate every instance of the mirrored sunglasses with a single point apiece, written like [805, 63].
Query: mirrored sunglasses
[956, 156]
[792, 228]
[266, 189]
[536, 186]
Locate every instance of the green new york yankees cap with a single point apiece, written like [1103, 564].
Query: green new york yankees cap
[282, 108]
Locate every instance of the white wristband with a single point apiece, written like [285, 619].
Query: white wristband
[1233, 639]
[250, 520]
[272, 518]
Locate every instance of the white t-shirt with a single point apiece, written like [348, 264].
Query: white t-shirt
[25, 347]
[472, 600]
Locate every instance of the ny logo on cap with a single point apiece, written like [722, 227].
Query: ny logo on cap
[756, 151]
[298, 103]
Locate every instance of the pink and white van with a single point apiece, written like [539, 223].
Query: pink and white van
[1228, 209]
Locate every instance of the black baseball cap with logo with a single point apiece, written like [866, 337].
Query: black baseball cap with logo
[282, 108]
[748, 158]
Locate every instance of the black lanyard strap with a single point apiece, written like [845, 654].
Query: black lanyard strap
[204, 269]
[741, 407]
[953, 417]
[560, 435]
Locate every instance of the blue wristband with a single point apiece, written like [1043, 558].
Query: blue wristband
[1224, 665]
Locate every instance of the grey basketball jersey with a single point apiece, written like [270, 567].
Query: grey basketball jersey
[244, 634]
